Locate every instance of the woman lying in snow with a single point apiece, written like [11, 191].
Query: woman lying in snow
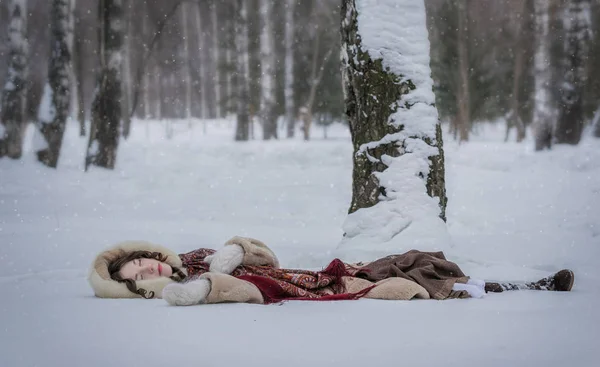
[246, 270]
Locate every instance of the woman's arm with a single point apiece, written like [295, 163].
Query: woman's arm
[241, 251]
[212, 288]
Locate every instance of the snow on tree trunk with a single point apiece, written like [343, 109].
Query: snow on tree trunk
[202, 68]
[106, 107]
[54, 108]
[216, 60]
[267, 69]
[543, 114]
[127, 70]
[186, 65]
[289, 68]
[577, 25]
[13, 116]
[243, 72]
[398, 194]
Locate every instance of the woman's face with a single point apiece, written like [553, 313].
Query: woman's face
[144, 269]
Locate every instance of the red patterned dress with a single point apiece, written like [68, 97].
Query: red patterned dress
[281, 284]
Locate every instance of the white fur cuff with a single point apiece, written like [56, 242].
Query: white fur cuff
[226, 259]
[187, 294]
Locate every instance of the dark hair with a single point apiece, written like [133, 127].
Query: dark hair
[115, 266]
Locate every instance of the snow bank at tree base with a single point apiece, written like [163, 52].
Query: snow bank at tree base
[513, 214]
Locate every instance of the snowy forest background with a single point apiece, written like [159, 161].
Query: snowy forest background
[180, 60]
[240, 126]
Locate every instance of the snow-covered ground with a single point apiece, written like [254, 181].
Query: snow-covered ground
[513, 214]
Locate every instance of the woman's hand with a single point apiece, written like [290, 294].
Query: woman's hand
[226, 259]
[187, 294]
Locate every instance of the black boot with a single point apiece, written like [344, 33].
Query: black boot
[561, 282]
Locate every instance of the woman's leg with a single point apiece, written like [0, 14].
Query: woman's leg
[561, 282]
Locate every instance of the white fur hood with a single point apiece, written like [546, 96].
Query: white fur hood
[105, 287]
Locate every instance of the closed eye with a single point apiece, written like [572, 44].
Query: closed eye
[140, 264]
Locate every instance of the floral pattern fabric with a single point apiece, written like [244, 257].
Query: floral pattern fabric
[293, 282]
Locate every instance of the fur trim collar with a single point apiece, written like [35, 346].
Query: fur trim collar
[105, 287]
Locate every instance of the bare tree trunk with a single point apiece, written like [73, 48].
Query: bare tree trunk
[106, 107]
[79, 76]
[146, 79]
[577, 27]
[316, 74]
[55, 102]
[243, 71]
[127, 70]
[15, 89]
[216, 60]
[229, 83]
[267, 65]
[202, 67]
[230, 62]
[596, 123]
[289, 68]
[141, 68]
[463, 100]
[186, 65]
[229, 79]
[395, 141]
[159, 92]
[543, 115]
[454, 126]
[73, 104]
[518, 67]
[146, 95]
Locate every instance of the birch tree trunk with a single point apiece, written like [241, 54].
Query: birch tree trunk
[577, 25]
[243, 72]
[127, 70]
[288, 90]
[106, 107]
[398, 175]
[216, 59]
[463, 97]
[56, 99]
[186, 65]
[202, 67]
[15, 89]
[543, 114]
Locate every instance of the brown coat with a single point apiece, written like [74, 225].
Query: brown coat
[429, 269]
[227, 288]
